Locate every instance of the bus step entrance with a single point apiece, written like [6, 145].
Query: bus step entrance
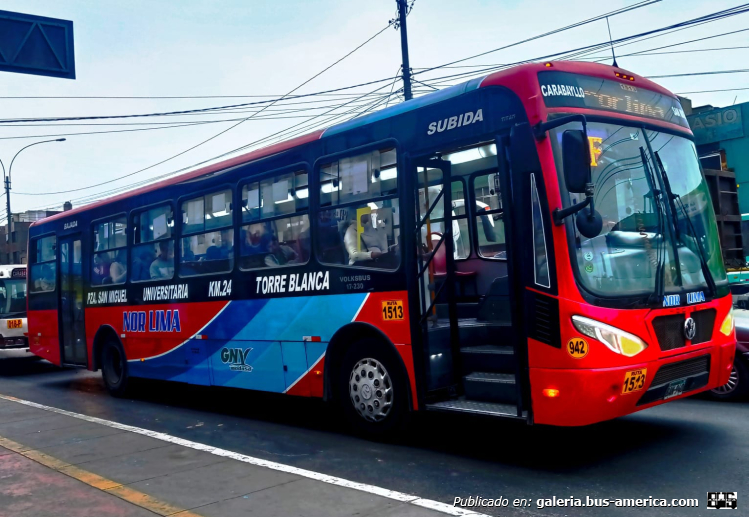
[488, 369]
[464, 405]
[490, 387]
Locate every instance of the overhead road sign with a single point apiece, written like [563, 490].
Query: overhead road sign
[36, 45]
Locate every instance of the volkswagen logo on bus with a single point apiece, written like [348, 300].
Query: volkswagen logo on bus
[690, 329]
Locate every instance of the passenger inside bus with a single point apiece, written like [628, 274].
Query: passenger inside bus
[47, 278]
[255, 243]
[280, 254]
[225, 248]
[163, 265]
[118, 268]
[143, 257]
[101, 269]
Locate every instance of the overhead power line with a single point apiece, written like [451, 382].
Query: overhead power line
[638, 5]
[644, 53]
[649, 51]
[225, 130]
[199, 110]
[288, 114]
[289, 131]
[568, 54]
[712, 91]
[699, 73]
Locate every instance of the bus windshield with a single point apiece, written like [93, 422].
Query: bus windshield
[12, 297]
[659, 230]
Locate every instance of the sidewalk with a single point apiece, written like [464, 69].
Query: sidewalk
[53, 464]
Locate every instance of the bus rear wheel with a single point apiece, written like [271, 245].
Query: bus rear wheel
[372, 390]
[114, 369]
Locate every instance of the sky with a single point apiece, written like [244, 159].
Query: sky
[151, 48]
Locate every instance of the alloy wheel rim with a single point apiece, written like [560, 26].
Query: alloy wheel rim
[730, 386]
[371, 390]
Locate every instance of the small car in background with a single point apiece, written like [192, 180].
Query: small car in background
[737, 386]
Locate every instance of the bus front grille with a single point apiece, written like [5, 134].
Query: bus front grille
[704, 322]
[695, 372]
[670, 331]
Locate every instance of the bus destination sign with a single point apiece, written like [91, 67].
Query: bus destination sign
[19, 272]
[563, 89]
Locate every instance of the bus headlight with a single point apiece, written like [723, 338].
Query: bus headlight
[616, 339]
[726, 328]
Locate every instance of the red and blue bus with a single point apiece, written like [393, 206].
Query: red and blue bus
[536, 244]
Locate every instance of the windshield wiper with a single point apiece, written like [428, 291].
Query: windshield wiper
[700, 250]
[660, 250]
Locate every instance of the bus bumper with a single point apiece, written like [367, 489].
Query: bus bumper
[585, 397]
[14, 342]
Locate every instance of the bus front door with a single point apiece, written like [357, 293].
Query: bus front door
[72, 326]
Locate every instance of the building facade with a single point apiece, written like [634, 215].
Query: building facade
[14, 236]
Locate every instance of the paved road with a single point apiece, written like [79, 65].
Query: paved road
[681, 450]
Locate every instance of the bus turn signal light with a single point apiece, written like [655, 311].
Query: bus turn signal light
[551, 392]
[615, 339]
[726, 328]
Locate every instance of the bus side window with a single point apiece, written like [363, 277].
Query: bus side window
[359, 221]
[431, 233]
[153, 252]
[109, 264]
[43, 270]
[207, 243]
[490, 228]
[277, 230]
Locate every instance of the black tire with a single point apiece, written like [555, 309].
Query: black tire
[392, 400]
[114, 368]
[738, 387]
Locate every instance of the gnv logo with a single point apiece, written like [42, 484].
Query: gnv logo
[236, 358]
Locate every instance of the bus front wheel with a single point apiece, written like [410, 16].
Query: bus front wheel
[372, 391]
[737, 386]
[114, 368]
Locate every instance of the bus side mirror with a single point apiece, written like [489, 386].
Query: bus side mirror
[576, 160]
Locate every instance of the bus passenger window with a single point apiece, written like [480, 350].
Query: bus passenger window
[43, 270]
[436, 226]
[363, 229]
[153, 253]
[490, 226]
[269, 240]
[109, 264]
[207, 244]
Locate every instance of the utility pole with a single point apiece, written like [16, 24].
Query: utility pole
[402, 13]
[7, 204]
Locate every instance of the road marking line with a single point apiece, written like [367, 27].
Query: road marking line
[107, 486]
[332, 480]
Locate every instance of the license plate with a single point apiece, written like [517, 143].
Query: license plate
[15, 324]
[392, 310]
[634, 380]
[675, 388]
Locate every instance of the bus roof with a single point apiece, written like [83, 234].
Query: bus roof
[521, 79]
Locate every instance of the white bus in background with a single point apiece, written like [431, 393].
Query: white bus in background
[13, 327]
